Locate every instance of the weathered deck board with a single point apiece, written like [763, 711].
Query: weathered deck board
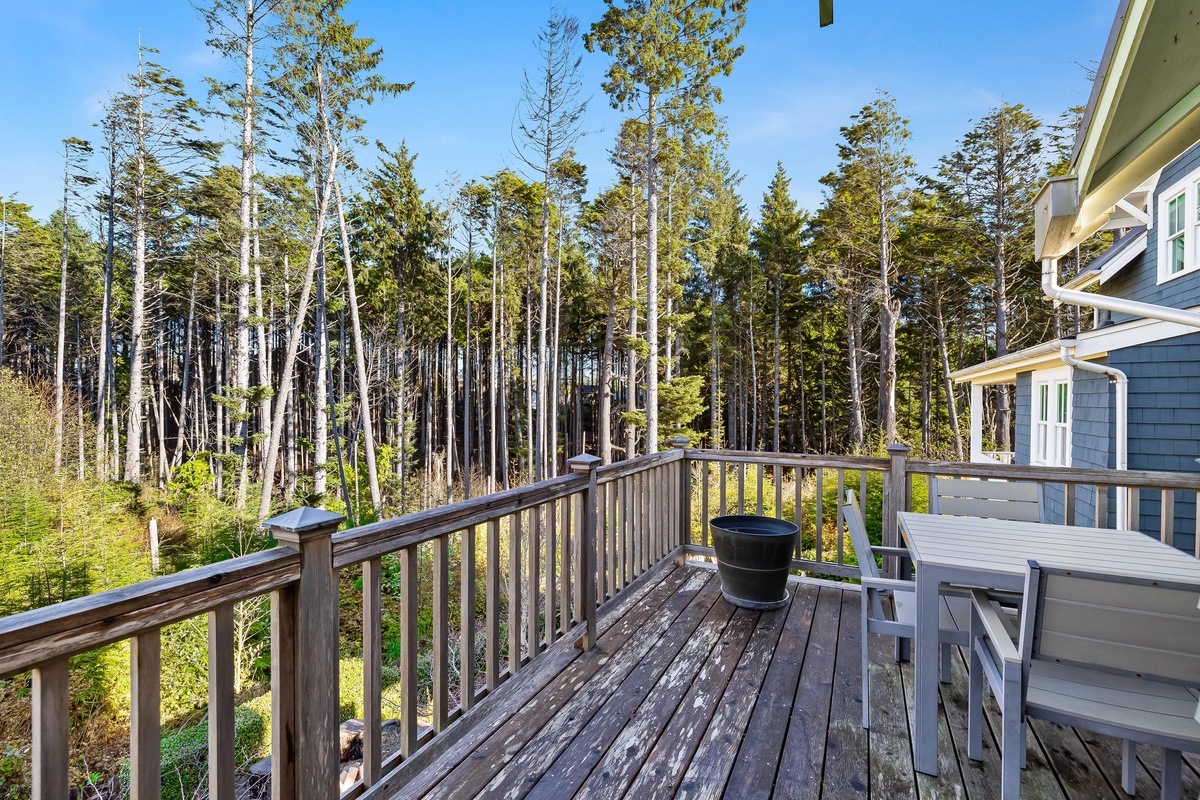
[686, 696]
[758, 757]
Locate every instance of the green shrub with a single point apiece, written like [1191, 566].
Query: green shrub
[185, 755]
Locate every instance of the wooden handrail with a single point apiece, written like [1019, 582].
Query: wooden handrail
[86, 623]
[1142, 479]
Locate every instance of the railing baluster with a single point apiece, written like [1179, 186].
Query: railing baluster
[466, 624]
[1166, 517]
[741, 487]
[51, 725]
[586, 549]
[372, 572]
[221, 778]
[1134, 507]
[724, 469]
[441, 632]
[862, 492]
[408, 651]
[1068, 503]
[819, 530]
[565, 540]
[646, 511]
[145, 725]
[533, 630]
[1101, 506]
[758, 481]
[841, 496]
[614, 568]
[1196, 526]
[492, 614]
[798, 517]
[777, 477]
[551, 572]
[514, 593]
[627, 531]
[284, 658]
[704, 513]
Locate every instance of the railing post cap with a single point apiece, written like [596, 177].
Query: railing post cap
[681, 441]
[304, 523]
[897, 449]
[584, 462]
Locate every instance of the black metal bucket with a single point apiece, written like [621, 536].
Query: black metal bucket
[754, 555]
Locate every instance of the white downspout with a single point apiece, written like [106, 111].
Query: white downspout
[1122, 380]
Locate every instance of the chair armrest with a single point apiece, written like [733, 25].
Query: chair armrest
[891, 551]
[888, 584]
[994, 628]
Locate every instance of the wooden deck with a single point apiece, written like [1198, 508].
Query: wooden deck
[687, 696]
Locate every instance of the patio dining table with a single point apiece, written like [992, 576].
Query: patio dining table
[993, 554]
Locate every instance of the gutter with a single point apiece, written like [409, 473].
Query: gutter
[1093, 300]
[1067, 353]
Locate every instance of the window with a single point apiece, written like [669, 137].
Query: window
[1051, 440]
[1178, 223]
[1176, 234]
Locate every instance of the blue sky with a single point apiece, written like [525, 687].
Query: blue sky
[946, 62]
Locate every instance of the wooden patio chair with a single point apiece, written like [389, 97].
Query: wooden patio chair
[1114, 654]
[875, 587]
[1018, 501]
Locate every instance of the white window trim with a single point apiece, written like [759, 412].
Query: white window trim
[1050, 378]
[1189, 187]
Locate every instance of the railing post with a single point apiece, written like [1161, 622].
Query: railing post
[304, 662]
[895, 498]
[685, 491]
[585, 548]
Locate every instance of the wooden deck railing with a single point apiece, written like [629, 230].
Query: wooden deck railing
[553, 553]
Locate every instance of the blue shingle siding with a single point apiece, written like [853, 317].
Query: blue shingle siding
[1023, 412]
[1164, 429]
[1092, 405]
[1164, 422]
[1139, 280]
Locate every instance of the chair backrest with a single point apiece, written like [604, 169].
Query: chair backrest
[1116, 623]
[858, 535]
[1018, 501]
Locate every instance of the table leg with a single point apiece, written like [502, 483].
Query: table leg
[926, 669]
[904, 572]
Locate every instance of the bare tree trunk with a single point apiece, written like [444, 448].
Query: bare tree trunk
[854, 346]
[450, 387]
[948, 382]
[104, 366]
[289, 361]
[606, 377]
[360, 362]
[133, 428]
[181, 435]
[631, 350]
[62, 319]
[714, 401]
[492, 365]
[321, 409]
[652, 272]
[776, 442]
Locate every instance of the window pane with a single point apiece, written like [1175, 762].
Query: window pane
[1044, 402]
[1062, 403]
[1175, 257]
[1175, 211]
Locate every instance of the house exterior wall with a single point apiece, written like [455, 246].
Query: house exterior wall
[1164, 422]
[1139, 280]
[1024, 411]
[1164, 429]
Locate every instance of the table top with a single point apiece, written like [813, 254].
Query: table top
[1004, 547]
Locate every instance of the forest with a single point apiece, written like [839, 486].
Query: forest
[243, 305]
